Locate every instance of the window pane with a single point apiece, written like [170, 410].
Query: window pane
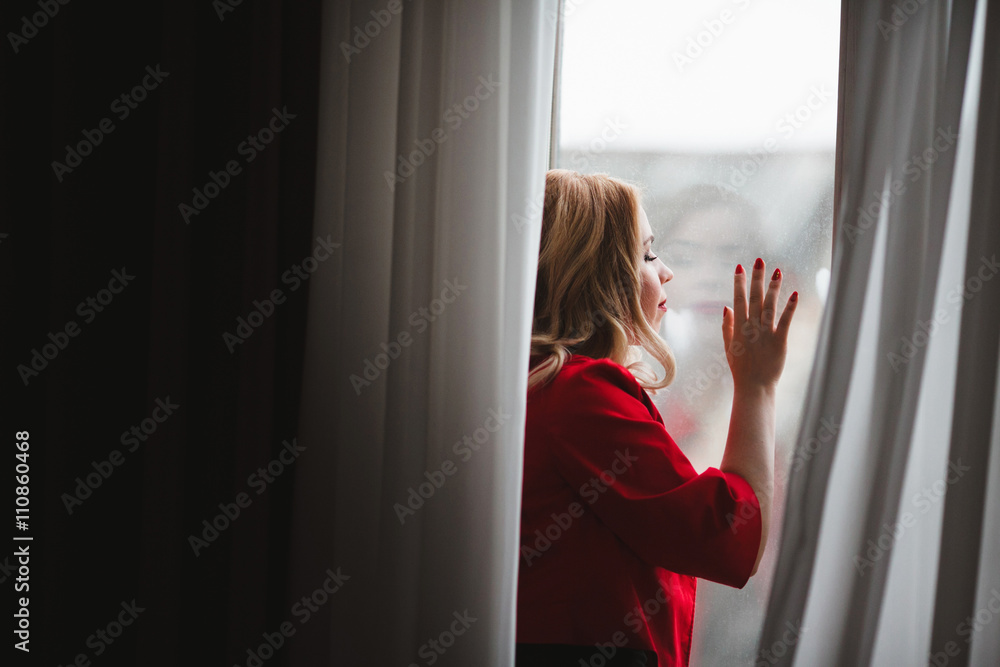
[726, 114]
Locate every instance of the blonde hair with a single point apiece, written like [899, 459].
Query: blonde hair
[588, 289]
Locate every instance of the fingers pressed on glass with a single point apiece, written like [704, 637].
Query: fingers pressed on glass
[770, 308]
[727, 328]
[739, 297]
[786, 315]
[757, 291]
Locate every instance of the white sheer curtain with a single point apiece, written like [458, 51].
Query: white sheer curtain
[906, 493]
[434, 139]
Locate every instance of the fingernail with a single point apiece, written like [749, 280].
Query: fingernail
[759, 264]
[739, 268]
[794, 297]
[776, 275]
[723, 312]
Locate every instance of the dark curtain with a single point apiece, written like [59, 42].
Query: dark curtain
[112, 510]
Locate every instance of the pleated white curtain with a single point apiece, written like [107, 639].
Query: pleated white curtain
[434, 139]
[890, 546]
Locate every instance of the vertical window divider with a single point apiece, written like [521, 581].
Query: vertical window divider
[556, 83]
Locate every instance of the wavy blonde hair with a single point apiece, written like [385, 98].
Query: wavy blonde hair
[588, 289]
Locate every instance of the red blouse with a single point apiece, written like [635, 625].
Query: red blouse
[615, 522]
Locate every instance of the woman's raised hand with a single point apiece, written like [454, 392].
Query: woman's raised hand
[755, 347]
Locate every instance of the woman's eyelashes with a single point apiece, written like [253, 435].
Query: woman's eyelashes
[650, 257]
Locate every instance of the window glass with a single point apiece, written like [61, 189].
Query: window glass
[726, 114]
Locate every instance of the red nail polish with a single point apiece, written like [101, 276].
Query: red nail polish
[776, 275]
[739, 268]
[794, 297]
[759, 264]
[723, 312]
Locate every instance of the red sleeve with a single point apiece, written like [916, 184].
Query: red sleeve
[606, 444]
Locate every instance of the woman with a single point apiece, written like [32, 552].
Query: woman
[615, 522]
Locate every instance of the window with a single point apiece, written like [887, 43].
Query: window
[726, 114]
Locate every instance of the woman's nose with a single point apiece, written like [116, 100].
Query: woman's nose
[666, 274]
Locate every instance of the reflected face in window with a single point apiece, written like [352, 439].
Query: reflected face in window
[654, 274]
[705, 247]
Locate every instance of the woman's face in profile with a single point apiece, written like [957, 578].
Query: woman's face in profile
[654, 275]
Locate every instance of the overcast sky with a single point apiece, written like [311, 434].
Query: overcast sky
[632, 60]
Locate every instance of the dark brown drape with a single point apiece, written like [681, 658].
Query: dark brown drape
[213, 77]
